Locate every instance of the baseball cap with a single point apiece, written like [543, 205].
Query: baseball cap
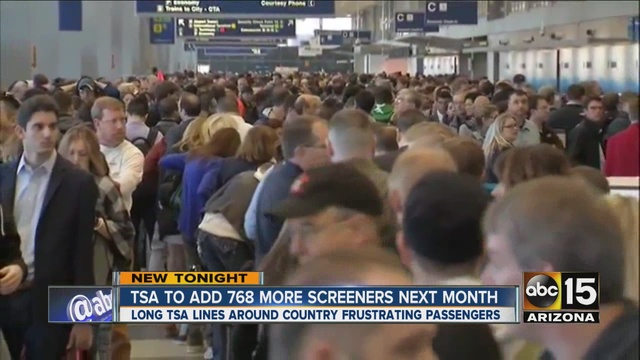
[443, 215]
[332, 185]
[85, 83]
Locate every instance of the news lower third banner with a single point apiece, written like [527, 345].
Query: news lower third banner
[258, 304]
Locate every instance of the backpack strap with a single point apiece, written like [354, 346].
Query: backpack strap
[152, 136]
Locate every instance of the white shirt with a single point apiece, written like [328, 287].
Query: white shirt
[243, 126]
[31, 187]
[126, 164]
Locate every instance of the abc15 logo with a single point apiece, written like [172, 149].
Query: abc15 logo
[561, 291]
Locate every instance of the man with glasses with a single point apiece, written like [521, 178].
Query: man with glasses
[303, 147]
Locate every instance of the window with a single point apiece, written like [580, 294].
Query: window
[339, 23]
[307, 26]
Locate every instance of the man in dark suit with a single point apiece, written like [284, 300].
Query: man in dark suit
[53, 207]
[404, 121]
[570, 114]
[622, 148]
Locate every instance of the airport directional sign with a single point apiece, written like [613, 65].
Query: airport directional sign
[234, 28]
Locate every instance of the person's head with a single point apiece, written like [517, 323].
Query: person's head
[386, 139]
[522, 164]
[553, 224]
[168, 108]
[259, 146]
[631, 107]
[367, 266]
[329, 208]
[443, 99]
[469, 102]
[519, 81]
[594, 110]
[410, 166]
[41, 81]
[518, 105]
[304, 141]
[459, 103]
[34, 92]
[38, 125]
[222, 143]
[628, 215]
[428, 135]
[109, 121]
[576, 93]
[593, 177]
[383, 95]
[228, 104]
[548, 93]
[138, 109]
[441, 234]
[351, 135]
[467, 154]
[279, 102]
[539, 109]
[307, 104]
[407, 99]
[80, 146]
[208, 104]
[507, 129]
[365, 101]
[64, 102]
[485, 114]
[407, 119]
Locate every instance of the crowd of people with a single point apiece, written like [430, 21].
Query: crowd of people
[318, 179]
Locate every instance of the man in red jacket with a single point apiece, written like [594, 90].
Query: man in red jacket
[623, 149]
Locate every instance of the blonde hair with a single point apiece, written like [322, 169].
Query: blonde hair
[428, 134]
[97, 164]
[628, 215]
[498, 141]
[10, 144]
[201, 129]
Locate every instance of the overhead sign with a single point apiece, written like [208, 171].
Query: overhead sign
[244, 8]
[340, 38]
[452, 12]
[206, 27]
[634, 29]
[223, 51]
[188, 47]
[249, 42]
[407, 22]
[234, 46]
[162, 31]
[70, 15]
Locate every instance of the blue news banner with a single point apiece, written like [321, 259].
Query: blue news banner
[258, 304]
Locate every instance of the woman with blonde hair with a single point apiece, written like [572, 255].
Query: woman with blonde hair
[10, 145]
[200, 130]
[504, 134]
[113, 229]
[628, 214]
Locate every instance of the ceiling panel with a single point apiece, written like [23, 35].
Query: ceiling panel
[344, 8]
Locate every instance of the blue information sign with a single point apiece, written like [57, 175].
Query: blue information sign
[451, 12]
[235, 46]
[339, 38]
[237, 51]
[70, 15]
[634, 29]
[162, 31]
[231, 28]
[249, 42]
[413, 22]
[249, 8]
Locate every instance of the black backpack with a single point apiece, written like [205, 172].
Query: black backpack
[146, 143]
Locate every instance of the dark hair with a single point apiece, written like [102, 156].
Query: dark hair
[522, 164]
[533, 101]
[168, 107]
[365, 101]
[38, 103]
[383, 95]
[591, 99]
[165, 89]
[408, 118]
[296, 133]
[33, 93]
[63, 100]
[138, 106]
[223, 143]
[576, 92]
[444, 93]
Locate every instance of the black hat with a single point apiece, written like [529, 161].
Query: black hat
[333, 185]
[442, 217]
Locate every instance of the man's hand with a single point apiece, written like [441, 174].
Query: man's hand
[81, 337]
[10, 279]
